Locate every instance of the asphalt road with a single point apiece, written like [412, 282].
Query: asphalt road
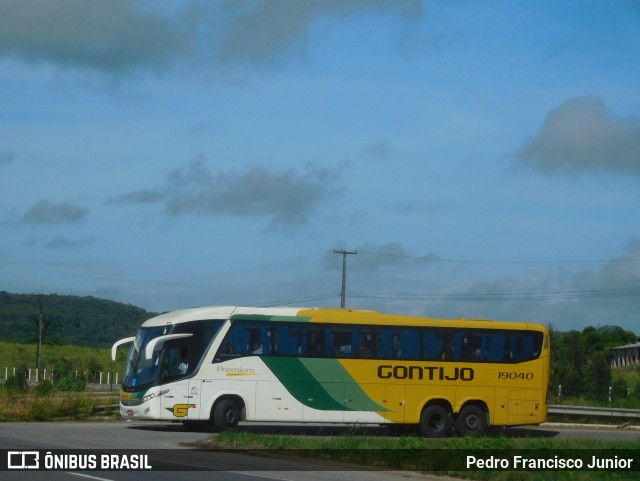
[176, 451]
[177, 455]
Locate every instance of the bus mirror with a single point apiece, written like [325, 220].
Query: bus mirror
[159, 341]
[119, 343]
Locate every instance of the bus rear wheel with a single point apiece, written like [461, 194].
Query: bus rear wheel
[435, 422]
[226, 415]
[472, 421]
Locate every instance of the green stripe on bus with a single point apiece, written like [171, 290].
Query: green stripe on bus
[320, 384]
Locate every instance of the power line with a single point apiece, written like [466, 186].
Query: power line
[435, 258]
[475, 297]
[528, 296]
[299, 300]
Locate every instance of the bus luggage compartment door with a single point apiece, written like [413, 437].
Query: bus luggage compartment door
[524, 406]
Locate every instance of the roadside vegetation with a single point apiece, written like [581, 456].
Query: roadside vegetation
[63, 398]
[580, 370]
[88, 362]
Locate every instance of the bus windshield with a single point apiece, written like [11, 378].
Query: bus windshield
[140, 372]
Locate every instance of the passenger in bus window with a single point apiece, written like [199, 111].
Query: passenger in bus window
[397, 347]
[364, 351]
[316, 349]
[256, 348]
[447, 351]
[228, 348]
[183, 365]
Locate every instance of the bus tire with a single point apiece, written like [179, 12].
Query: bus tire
[435, 422]
[226, 415]
[472, 421]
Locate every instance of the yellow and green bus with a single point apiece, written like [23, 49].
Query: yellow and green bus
[221, 365]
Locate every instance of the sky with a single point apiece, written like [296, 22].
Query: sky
[482, 158]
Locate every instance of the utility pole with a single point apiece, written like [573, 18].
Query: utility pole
[344, 253]
[39, 348]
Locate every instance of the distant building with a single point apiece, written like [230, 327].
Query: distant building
[623, 356]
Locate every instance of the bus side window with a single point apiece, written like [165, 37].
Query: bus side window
[496, 346]
[366, 345]
[340, 343]
[396, 346]
[430, 345]
[254, 344]
[315, 340]
[478, 347]
[521, 347]
[234, 343]
[385, 343]
[407, 344]
[447, 349]
[259, 340]
[287, 340]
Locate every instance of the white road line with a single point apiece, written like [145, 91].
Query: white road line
[88, 476]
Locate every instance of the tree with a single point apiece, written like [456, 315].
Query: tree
[45, 331]
[598, 376]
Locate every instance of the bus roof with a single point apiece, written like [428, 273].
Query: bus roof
[327, 315]
[216, 312]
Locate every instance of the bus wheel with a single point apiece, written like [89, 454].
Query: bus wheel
[435, 422]
[226, 415]
[472, 421]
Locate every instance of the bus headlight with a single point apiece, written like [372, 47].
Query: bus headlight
[156, 394]
[148, 397]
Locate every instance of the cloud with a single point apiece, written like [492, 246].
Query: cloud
[111, 36]
[61, 243]
[143, 196]
[6, 157]
[619, 274]
[45, 212]
[286, 198]
[119, 36]
[583, 135]
[373, 257]
[380, 150]
[269, 29]
[604, 294]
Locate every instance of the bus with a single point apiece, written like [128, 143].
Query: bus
[221, 365]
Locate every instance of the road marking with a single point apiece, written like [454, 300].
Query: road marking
[88, 476]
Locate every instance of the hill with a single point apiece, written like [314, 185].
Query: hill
[82, 321]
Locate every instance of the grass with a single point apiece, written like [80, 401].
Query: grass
[85, 359]
[21, 406]
[436, 456]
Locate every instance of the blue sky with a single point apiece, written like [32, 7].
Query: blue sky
[483, 158]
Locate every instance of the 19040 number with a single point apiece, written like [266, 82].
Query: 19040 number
[515, 375]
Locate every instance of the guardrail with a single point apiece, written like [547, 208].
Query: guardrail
[592, 411]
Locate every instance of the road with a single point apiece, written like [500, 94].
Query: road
[177, 456]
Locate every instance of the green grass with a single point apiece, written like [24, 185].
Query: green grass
[418, 454]
[84, 359]
[28, 406]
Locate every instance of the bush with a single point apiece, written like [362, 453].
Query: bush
[65, 380]
[45, 388]
[17, 382]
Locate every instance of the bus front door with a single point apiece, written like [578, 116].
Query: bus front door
[182, 399]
